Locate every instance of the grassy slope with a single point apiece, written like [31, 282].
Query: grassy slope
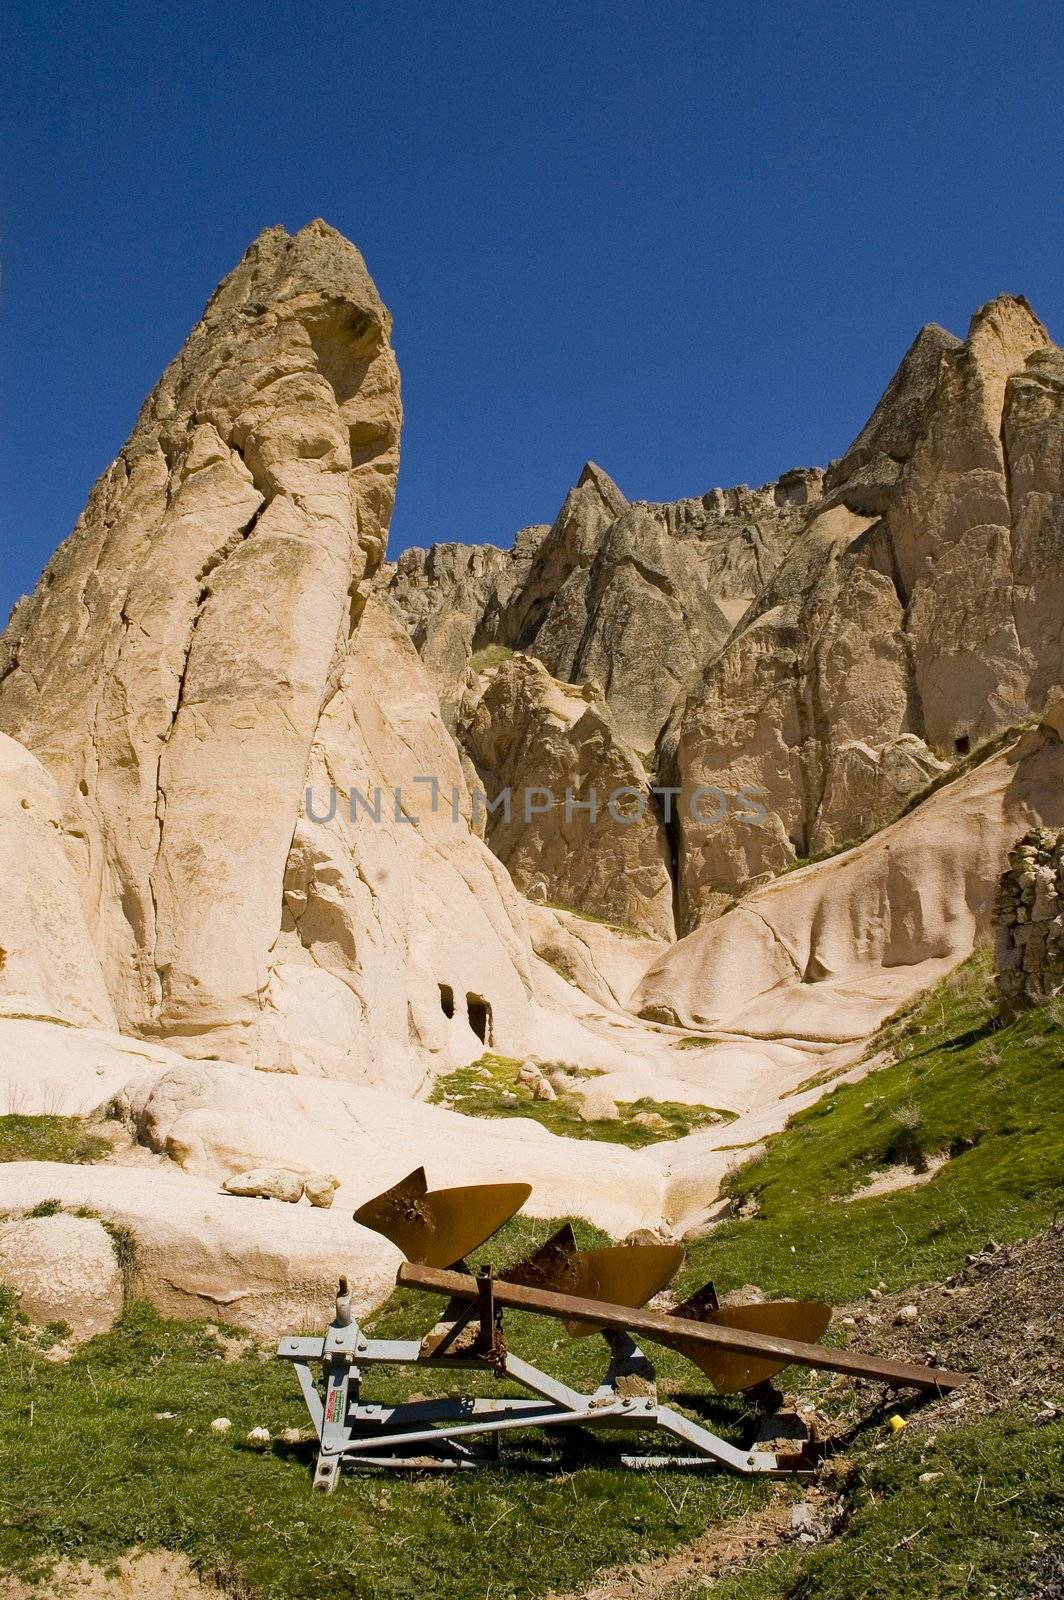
[958, 1078]
[97, 1472]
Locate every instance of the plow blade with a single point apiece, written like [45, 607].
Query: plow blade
[624, 1275]
[437, 1227]
[732, 1370]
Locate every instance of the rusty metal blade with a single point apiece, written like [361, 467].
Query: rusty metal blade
[698, 1305]
[437, 1227]
[729, 1371]
[551, 1266]
[623, 1275]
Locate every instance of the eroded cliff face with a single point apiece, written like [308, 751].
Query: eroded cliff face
[764, 673]
[572, 816]
[195, 655]
[830, 643]
[241, 821]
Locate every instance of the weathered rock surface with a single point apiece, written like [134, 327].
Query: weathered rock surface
[950, 535]
[48, 966]
[1029, 922]
[63, 1269]
[633, 596]
[576, 823]
[171, 667]
[806, 708]
[215, 1120]
[867, 476]
[828, 951]
[198, 655]
[267, 1183]
[442, 595]
[390, 903]
[203, 1253]
[911, 619]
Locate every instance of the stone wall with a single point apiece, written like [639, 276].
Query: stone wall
[1029, 922]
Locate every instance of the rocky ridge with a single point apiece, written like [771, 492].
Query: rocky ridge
[834, 640]
[256, 902]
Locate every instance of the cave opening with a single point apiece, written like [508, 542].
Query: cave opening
[479, 1013]
[447, 1000]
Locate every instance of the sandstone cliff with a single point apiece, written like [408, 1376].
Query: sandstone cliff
[195, 657]
[832, 642]
[241, 821]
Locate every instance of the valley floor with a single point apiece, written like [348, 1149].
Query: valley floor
[111, 1451]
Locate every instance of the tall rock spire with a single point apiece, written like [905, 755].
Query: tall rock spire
[171, 666]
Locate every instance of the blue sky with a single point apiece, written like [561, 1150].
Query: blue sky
[689, 241]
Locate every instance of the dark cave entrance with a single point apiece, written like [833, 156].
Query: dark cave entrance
[479, 1012]
[447, 1000]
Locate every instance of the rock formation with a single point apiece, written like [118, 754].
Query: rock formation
[1029, 922]
[241, 816]
[827, 951]
[195, 659]
[171, 667]
[62, 1268]
[832, 641]
[48, 967]
[574, 819]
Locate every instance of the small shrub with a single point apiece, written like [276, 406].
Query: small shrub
[492, 655]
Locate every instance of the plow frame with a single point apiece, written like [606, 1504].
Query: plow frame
[420, 1434]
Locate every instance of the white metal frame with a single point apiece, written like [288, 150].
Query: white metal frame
[416, 1434]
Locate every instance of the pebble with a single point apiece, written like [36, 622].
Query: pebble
[221, 1425]
[907, 1314]
[259, 1436]
[929, 1477]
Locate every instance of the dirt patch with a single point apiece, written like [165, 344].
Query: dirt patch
[1001, 1318]
[143, 1575]
[895, 1178]
[722, 1551]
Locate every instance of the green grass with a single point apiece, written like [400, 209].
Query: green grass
[695, 1041]
[99, 1473]
[93, 1472]
[988, 1526]
[66, 1139]
[477, 1091]
[624, 928]
[993, 1096]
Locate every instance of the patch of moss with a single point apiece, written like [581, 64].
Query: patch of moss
[492, 655]
[560, 963]
[478, 1090]
[623, 928]
[65, 1139]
